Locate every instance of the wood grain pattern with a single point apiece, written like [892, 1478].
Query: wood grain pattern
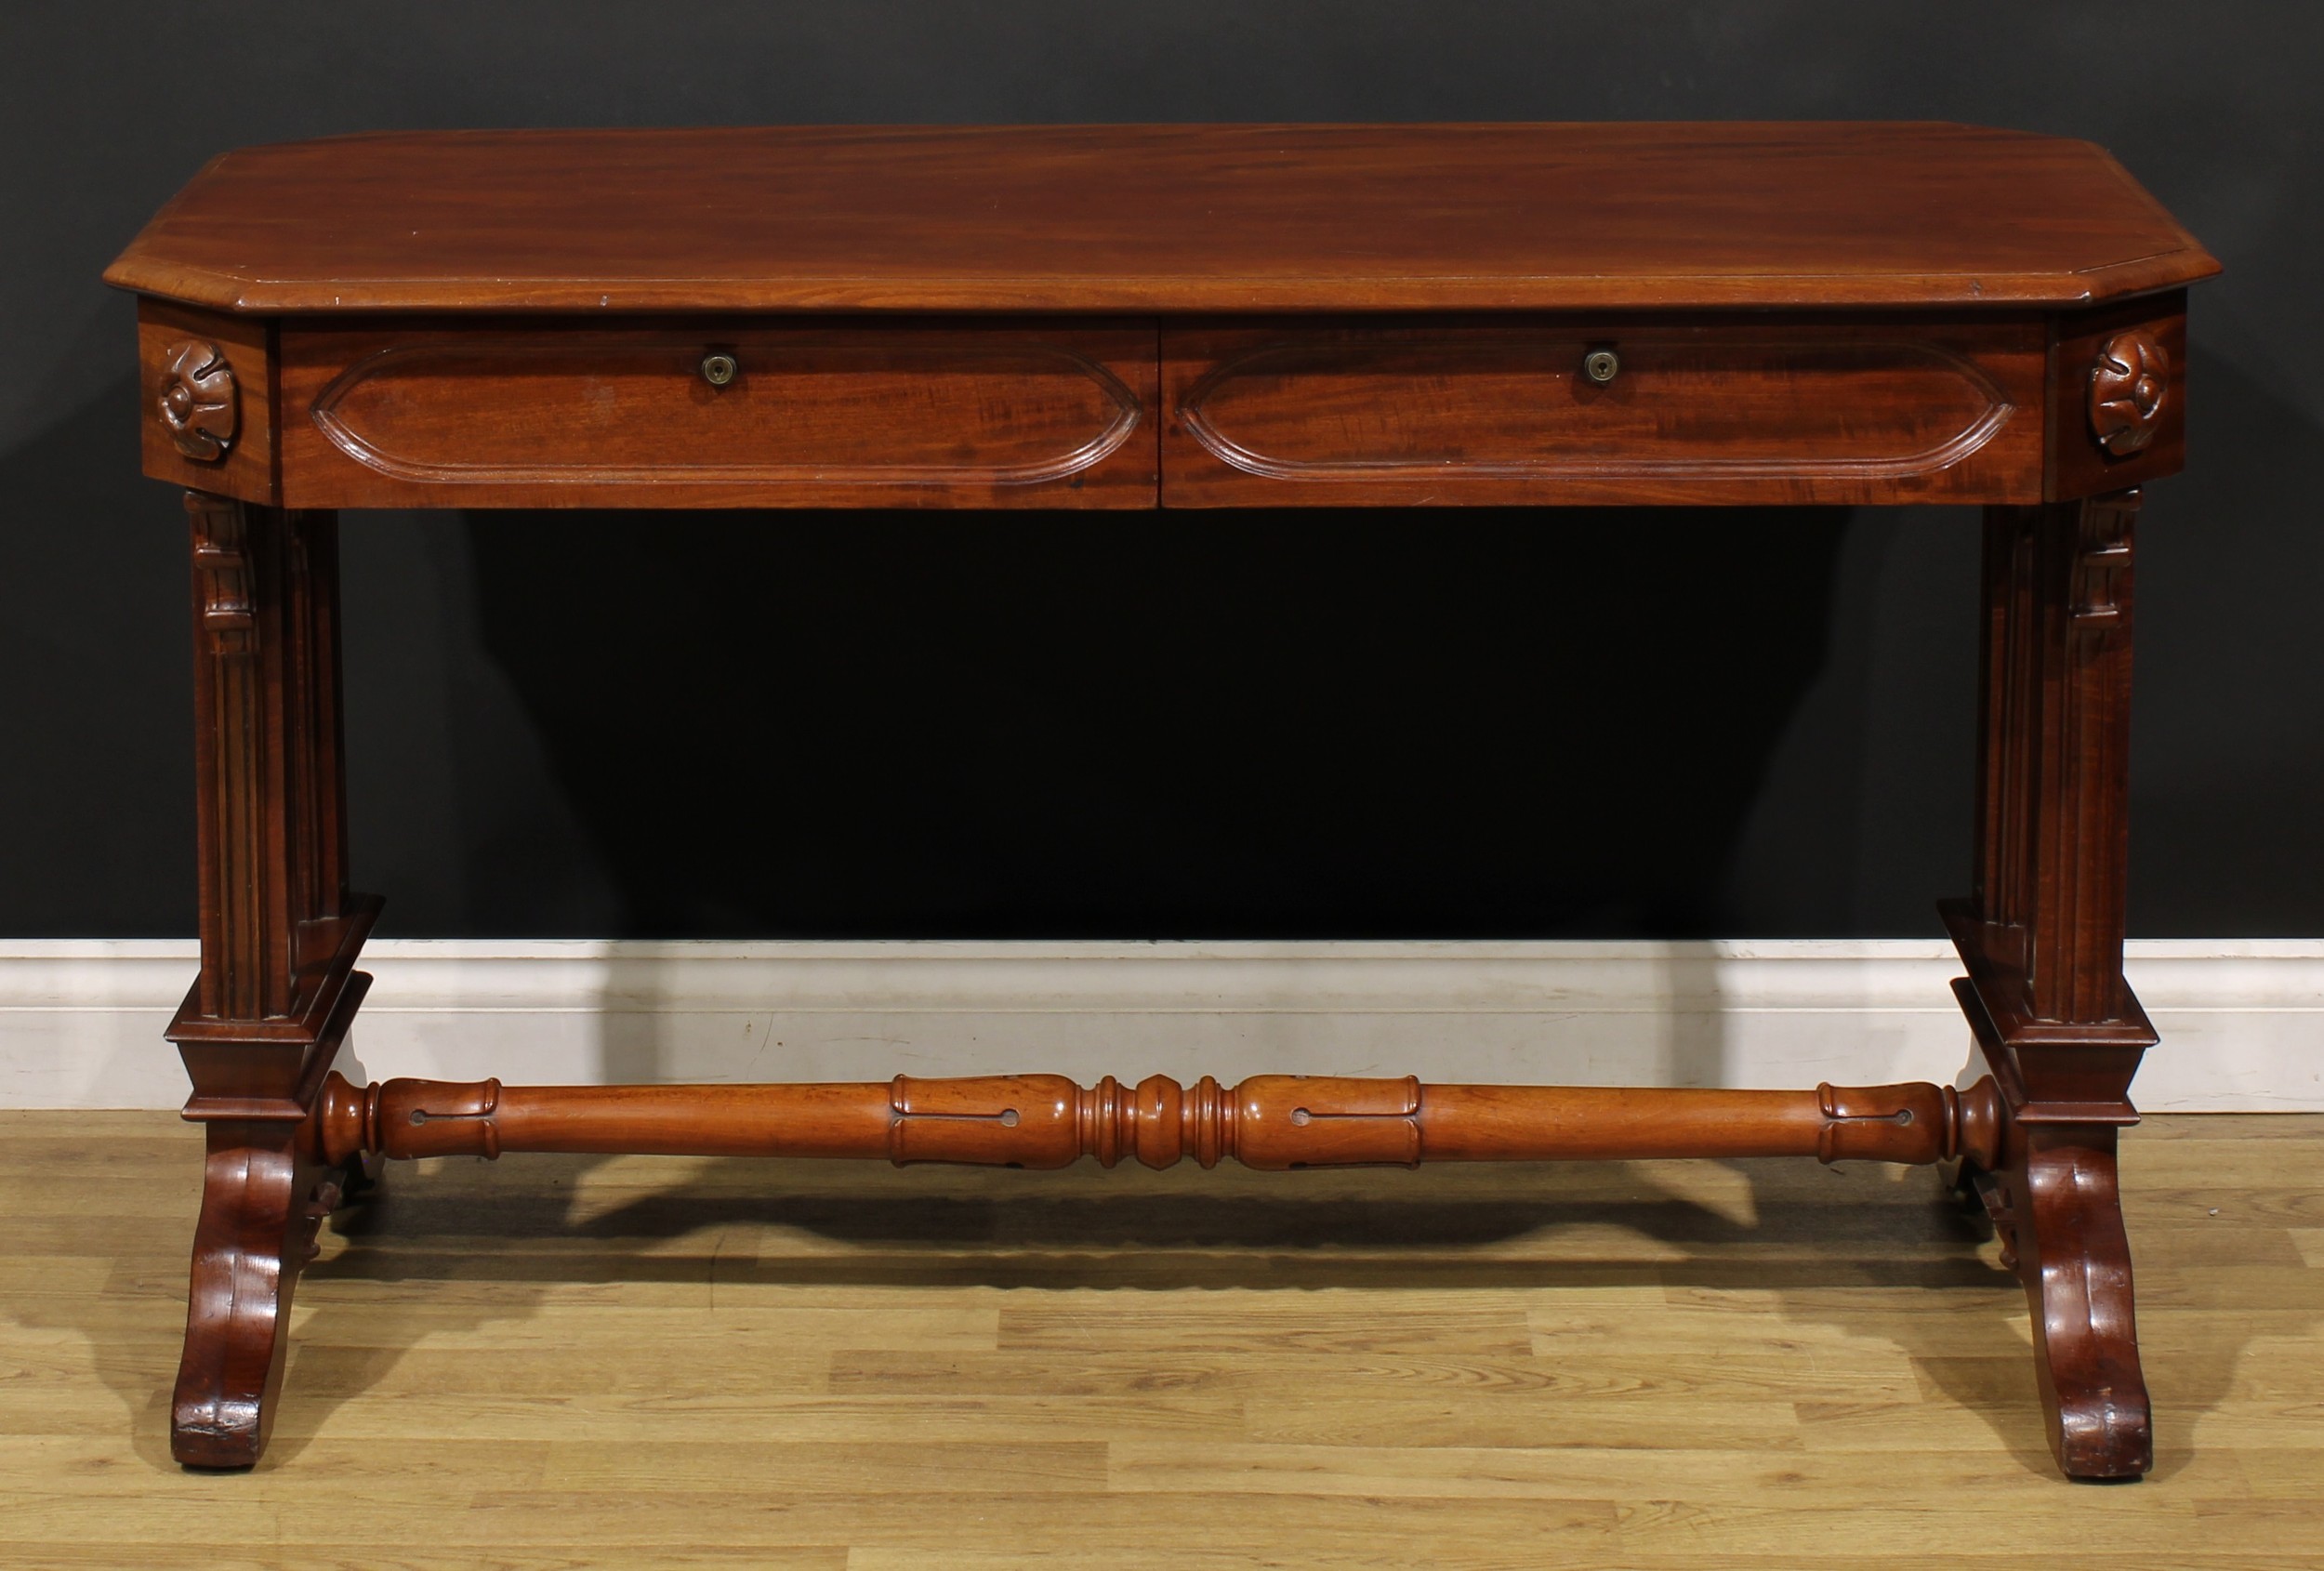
[504, 412]
[620, 318]
[508, 414]
[687, 1364]
[1720, 411]
[1163, 218]
[1276, 1122]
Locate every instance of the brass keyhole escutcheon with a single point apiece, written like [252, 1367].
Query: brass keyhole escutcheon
[718, 369]
[1601, 365]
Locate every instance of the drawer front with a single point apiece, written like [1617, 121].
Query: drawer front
[1725, 413]
[719, 414]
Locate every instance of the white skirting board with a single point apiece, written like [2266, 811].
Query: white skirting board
[2243, 1021]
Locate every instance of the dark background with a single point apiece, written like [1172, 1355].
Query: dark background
[1660, 724]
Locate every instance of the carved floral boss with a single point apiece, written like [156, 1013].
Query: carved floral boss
[196, 401]
[2127, 388]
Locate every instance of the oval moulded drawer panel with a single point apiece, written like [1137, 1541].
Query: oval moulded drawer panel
[872, 412]
[1831, 412]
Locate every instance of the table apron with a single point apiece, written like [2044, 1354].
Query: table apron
[725, 411]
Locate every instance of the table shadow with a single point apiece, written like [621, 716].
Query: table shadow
[1812, 1230]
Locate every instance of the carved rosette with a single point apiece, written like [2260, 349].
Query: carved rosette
[196, 401]
[2127, 386]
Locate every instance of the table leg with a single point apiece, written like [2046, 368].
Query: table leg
[2041, 937]
[280, 935]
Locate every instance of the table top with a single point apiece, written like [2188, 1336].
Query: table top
[1164, 219]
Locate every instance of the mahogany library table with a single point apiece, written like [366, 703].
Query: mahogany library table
[1166, 316]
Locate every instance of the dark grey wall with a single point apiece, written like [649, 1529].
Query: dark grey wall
[1180, 725]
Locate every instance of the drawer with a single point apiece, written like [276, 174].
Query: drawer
[1726, 412]
[718, 413]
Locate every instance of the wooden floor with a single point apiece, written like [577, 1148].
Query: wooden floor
[639, 1363]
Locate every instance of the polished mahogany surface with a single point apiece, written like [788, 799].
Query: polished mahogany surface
[1181, 316]
[548, 412]
[1164, 217]
[1737, 408]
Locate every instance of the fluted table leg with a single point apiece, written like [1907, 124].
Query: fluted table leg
[2042, 938]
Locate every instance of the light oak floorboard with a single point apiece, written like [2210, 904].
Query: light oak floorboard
[627, 1362]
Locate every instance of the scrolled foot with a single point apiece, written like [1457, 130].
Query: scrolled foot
[2073, 1258]
[260, 1206]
